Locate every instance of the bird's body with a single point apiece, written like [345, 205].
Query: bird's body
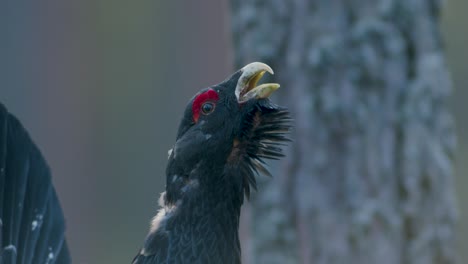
[226, 132]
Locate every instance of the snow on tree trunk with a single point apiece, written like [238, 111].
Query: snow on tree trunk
[368, 178]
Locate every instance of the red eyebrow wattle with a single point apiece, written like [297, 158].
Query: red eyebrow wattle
[209, 95]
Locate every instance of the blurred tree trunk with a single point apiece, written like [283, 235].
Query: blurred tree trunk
[369, 176]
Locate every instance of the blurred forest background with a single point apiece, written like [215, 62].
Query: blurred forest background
[101, 86]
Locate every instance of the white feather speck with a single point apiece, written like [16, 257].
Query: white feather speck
[34, 225]
[169, 152]
[175, 178]
[10, 248]
[50, 257]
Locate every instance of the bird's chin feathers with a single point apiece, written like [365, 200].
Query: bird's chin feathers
[265, 132]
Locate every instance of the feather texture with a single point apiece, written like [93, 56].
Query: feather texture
[265, 132]
[32, 225]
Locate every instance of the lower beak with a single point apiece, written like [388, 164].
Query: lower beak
[247, 88]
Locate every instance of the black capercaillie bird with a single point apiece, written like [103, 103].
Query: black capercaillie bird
[32, 225]
[225, 133]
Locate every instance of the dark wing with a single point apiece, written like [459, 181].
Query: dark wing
[32, 225]
[155, 249]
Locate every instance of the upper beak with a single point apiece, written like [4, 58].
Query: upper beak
[246, 88]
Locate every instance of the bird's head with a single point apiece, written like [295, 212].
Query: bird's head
[226, 132]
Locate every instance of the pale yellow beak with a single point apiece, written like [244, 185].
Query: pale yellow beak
[246, 88]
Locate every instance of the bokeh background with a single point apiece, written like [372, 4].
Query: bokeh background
[101, 85]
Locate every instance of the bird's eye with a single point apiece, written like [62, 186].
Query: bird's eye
[207, 108]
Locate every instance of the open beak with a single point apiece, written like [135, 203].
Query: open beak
[247, 88]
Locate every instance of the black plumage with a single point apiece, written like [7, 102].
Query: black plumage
[226, 133]
[32, 225]
[212, 166]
